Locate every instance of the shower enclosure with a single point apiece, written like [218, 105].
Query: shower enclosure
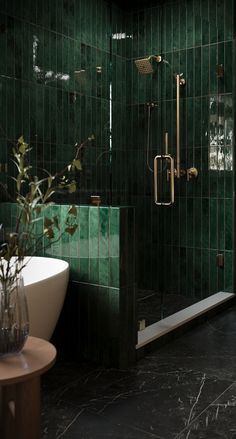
[175, 162]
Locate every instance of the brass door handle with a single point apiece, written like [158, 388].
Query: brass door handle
[171, 174]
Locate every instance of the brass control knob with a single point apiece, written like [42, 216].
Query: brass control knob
[192, 173]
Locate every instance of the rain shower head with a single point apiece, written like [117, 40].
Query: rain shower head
[144, 65]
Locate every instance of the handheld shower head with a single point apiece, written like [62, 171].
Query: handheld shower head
[144, 65]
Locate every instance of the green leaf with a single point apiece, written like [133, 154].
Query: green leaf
[18, 182]
[72, 187]
[48, 194]
[50, 179]
[77, 164]
[49, 233]
[71, 229]
[47, 222]
[23, 147]
[21, 139]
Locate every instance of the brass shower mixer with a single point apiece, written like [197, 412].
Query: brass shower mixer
[191, 173]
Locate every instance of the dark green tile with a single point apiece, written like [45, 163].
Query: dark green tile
[84, 231]
[114, 233]
[213, 273]
[94, 270]
[228, 272]
[103, 232]
[213, 223]
[84, 269]
[104, 271]
[229, 226]
[114, 280]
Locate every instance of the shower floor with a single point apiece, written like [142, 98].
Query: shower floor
[151, 309]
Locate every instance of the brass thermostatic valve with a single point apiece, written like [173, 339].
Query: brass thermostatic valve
[192, 173]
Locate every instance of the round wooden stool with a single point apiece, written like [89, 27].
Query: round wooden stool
[20, 389]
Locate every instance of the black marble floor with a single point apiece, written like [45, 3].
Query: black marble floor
[184, 390]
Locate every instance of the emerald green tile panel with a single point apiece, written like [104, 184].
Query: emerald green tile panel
[101, 249]
[101, 256]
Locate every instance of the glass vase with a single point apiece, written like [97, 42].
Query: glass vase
[14, 317]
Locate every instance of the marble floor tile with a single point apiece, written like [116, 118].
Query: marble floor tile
[184, 390]
[218, 420]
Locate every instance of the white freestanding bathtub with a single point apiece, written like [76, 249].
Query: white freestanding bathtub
[45, 281]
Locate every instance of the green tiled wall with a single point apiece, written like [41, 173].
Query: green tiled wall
[177, 246]
[43, 44]
[102, 280]
[43, 41]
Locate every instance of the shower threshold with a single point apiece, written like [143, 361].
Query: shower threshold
[178, 319]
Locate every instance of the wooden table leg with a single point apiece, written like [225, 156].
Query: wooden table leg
[21, 410]
[27, 417]
[7, 412]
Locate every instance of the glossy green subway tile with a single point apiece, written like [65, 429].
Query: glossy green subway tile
[220, 12]
[205, 223]
[197, 26]
[205, 25]
[93, 232]
[183, 271]
[84, 270]
[103, 232]
[228, 267]
[205, 273]
[228, 19]
[221, 276]
[190, 24]
[197, 71]
[213, 21]
[190, 271]
[221, 224]
[93, 270]
[205, 70]
[190, 221]
[213, 182]
[198, 225]
[114, 233]
[74, 269]
[229, 225]
[84, 232]
[182, 25]
[183, 222]
[3, 44]
[114, 266]
[104, 269]
[198, 273]
[228, 67]
[212, 68]
[213, 223]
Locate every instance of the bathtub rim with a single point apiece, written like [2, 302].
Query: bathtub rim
[64, 264]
